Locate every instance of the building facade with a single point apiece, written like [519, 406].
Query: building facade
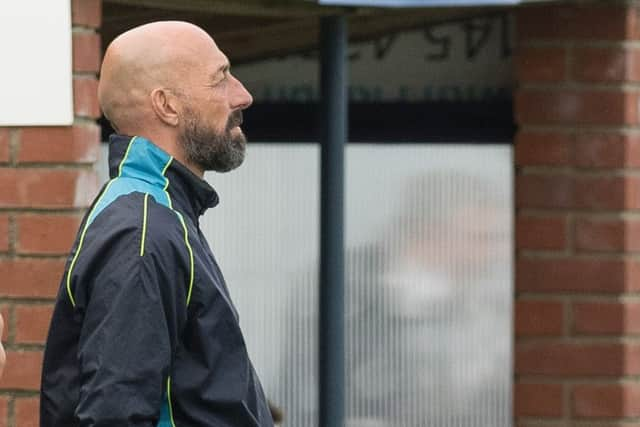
[576, 70]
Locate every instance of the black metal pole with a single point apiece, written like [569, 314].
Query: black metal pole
[333, 86]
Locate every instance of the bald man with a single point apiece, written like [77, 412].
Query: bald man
[144, 332]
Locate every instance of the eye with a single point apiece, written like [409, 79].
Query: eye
[221, 81]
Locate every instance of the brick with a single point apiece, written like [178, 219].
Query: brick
[533, 422]
[87, 13]
[544, 191]
[4, 411]
[46, 188]
[564, 359]
[588, 22]
[538, 318]
[544, 148]
[23, 370]
[6, 321]
[541, 64]
[72, 144]
[575, 107]
[632, 192]
[46, 234]
[550, 190]
[599, 64]
[541, 233]
[605, 192]
[86, 52]
[597, 150]
[606, 400]
[30, 277]
[85, 97]
[607, 235]
[4, 145]
[633, 65]
[538, 400]
[4, 233]
[568, 275]
[27, 412]
[32, 323]
[606, 318]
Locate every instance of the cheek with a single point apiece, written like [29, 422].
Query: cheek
[218, 114]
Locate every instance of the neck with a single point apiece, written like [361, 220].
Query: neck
[193, 168]
[169, 143]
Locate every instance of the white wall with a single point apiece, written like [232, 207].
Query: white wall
[36, 67]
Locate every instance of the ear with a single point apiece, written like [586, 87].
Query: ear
[164, 105]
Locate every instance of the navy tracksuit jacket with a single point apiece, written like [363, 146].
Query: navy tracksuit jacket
[144, 332]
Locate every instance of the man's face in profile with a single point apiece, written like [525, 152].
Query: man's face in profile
[210, 134]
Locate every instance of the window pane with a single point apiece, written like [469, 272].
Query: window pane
[428, 281]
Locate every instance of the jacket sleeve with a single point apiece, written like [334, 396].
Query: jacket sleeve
[128, 304]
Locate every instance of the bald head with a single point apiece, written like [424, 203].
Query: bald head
[156, 55]
[169, 82]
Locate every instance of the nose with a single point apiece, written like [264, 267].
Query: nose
[241, 97]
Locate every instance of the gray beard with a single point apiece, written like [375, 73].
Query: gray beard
[209, 149]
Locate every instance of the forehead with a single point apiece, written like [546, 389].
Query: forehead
[219, 63]
[210, 61]
[194, 45]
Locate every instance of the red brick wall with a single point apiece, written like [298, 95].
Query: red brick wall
[577, 274]
[577, 357]
[46, 182]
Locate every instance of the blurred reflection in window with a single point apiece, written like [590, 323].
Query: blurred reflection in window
[428, 281]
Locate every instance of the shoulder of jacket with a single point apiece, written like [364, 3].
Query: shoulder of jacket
[162, 224]
[133, 211]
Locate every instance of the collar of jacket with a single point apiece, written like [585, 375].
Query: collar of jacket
[145, 160]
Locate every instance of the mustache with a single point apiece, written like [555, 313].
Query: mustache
[234, 120]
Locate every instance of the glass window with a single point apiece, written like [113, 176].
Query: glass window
[429, 243]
